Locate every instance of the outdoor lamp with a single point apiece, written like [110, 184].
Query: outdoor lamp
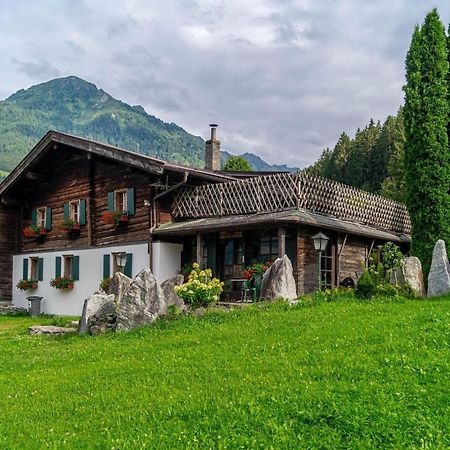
[320, 244]
[121, 260]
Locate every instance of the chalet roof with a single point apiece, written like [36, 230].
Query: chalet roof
[292, 216]
[127, 157]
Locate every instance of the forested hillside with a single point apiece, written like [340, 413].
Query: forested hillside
[74, 106]
[371, 160]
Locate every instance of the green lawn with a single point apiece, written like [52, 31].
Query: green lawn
[344, 374]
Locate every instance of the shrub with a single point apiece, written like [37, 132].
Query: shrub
[201, 289]
[105, 283]
[365, 287]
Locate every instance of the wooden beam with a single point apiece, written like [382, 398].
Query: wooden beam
[90, 203]
[199, 256]
[281, 241]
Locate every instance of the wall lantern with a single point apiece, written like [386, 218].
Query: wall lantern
[320, 244]
[121, 260]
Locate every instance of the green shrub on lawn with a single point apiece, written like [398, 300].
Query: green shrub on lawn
[365, 287]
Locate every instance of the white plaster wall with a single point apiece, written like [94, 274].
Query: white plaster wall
[166, 260]
[91, 274]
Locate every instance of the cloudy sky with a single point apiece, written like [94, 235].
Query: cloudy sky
[282, 78]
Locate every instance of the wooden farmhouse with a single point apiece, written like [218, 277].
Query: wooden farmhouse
[73, 207]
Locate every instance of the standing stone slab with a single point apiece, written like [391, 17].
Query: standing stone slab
[168, 288]
[120, 284]
[410, 274]
[278, 281]
[142, 303]
[439, 276]
[96, 305]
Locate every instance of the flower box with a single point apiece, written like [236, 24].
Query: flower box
[70, 226]
[43, 232]
[33, 231]
[116, 218]
[62, 283]
[25, 285]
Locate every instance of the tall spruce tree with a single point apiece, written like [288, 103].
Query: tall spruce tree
[427, 171]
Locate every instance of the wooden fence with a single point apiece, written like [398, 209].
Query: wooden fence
[278, 192]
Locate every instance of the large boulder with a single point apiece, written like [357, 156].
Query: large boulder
[168, 288]
[120, 284]
[97, 305]
[439, 276]
[410, 274]
[278, 281]
[142, 303]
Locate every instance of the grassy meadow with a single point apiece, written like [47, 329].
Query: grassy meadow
[343, 374]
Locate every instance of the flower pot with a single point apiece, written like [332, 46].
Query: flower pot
[34, 286]
[70, 286]
[124, 218]
[76, 227]
[43, 232]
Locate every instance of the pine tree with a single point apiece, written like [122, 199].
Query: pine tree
[427, 172]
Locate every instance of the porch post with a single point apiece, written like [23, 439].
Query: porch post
[281, 241]
[199, 255]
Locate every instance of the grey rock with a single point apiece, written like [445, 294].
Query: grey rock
[410, 274]
[142, 303]
[10, 310]
[120, 284]
[199, 312]
[168, 288]
[50, 329]
[278, 281]
[97, 330]
[73, 324]
[96, 305]
[439, 276]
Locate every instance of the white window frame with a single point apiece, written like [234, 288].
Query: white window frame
[41, 221]
[74, 215]
[125, 205]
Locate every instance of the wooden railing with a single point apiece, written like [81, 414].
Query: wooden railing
[278, 192]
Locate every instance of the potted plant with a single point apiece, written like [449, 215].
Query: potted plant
[69, 225]
[32, 231]
[25, 285]
[115, 217]
[62, 283]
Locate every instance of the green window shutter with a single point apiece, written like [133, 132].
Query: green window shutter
[106, 266]
[76, 268]
[66, 211]
[57, 266]
[82, 212]
[128, 269]
[34, 217]
[25, 269]
[40, 269]
[48, 219]
[130, 202]
[110, 201]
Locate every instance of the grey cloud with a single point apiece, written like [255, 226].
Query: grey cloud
[282, 78]
[40, 69]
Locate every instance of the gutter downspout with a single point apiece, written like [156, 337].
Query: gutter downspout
[153, 212]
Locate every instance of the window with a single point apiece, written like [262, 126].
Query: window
[68, 266]
[41, 217]
[120, 200]
[327, 267]
[74, 211]
[268, 245]
[34, 268]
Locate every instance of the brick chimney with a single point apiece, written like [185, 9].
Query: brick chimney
[212, 150]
